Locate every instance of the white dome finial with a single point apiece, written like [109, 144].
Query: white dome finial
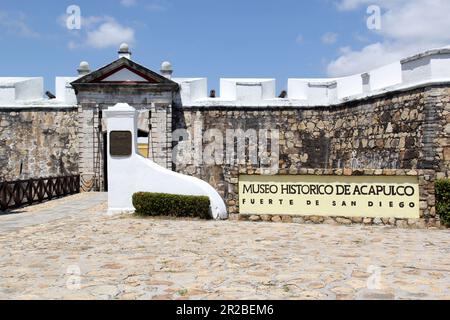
[166, 69]
[124, 47]
[84, 68]
[124, 51]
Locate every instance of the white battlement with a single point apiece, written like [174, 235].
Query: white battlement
[247, 89]
[430, 67]
[426, 68]
[192, 89]
[17, 92]
[64, 91]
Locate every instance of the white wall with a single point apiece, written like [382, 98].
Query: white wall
[29, 89]
[440, 66]
[416, 70]
[430, 65]
[349, 86]
[321, 92]
[386, 76]
[247, 89]
[7, 94]
[64, 91]
[18, 90]
[298, 89]
[427, 67]
[128, 175]
[192, 89]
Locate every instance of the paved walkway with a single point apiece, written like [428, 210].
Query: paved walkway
[53, 210]
[85, 254]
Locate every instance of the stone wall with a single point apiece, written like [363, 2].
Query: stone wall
[91, 143]
[439, 100]
[37, 143]
[161, 135]
[398, 131]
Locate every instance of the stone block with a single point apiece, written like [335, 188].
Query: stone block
[357, 220]
[316, 219]
[344, 221]
[299, 220]
[276, 219]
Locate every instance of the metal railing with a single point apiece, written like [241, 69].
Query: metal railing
[16, 194]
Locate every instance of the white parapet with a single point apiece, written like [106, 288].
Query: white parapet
[385, 76]
[432, 66]
[192, 89]
[134, 173]
[251, 90]
[348, 87]
[331, 91]
[19, 90]
[233, 92]
[312, 91]
[64, 90]
[29, 92]
[429, 65]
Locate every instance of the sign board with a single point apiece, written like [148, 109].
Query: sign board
[121, 143]
[362, 196]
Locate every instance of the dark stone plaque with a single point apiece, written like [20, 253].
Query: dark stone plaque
[120, 143]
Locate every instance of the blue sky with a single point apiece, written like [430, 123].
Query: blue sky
[216, 38]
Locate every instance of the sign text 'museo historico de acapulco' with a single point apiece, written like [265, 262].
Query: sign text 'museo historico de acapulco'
[382, 197]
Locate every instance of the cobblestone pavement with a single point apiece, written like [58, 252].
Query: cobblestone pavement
[50, 211]
[84, 254]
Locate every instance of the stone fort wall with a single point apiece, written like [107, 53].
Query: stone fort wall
[38, 142]
[394, 120]
[398, 133]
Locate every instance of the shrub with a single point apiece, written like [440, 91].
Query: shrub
[160, 204]
[443, 201]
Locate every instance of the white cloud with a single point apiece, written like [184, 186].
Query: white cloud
[90, 22]
[299, 39]
[110, 34]
[157, 5]
[16, 24]
[407, 27]
[346, 5]
[128, 3]
[87, 22]
[371, 56]
[360, 38]
[329, 38]
[99, 32]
